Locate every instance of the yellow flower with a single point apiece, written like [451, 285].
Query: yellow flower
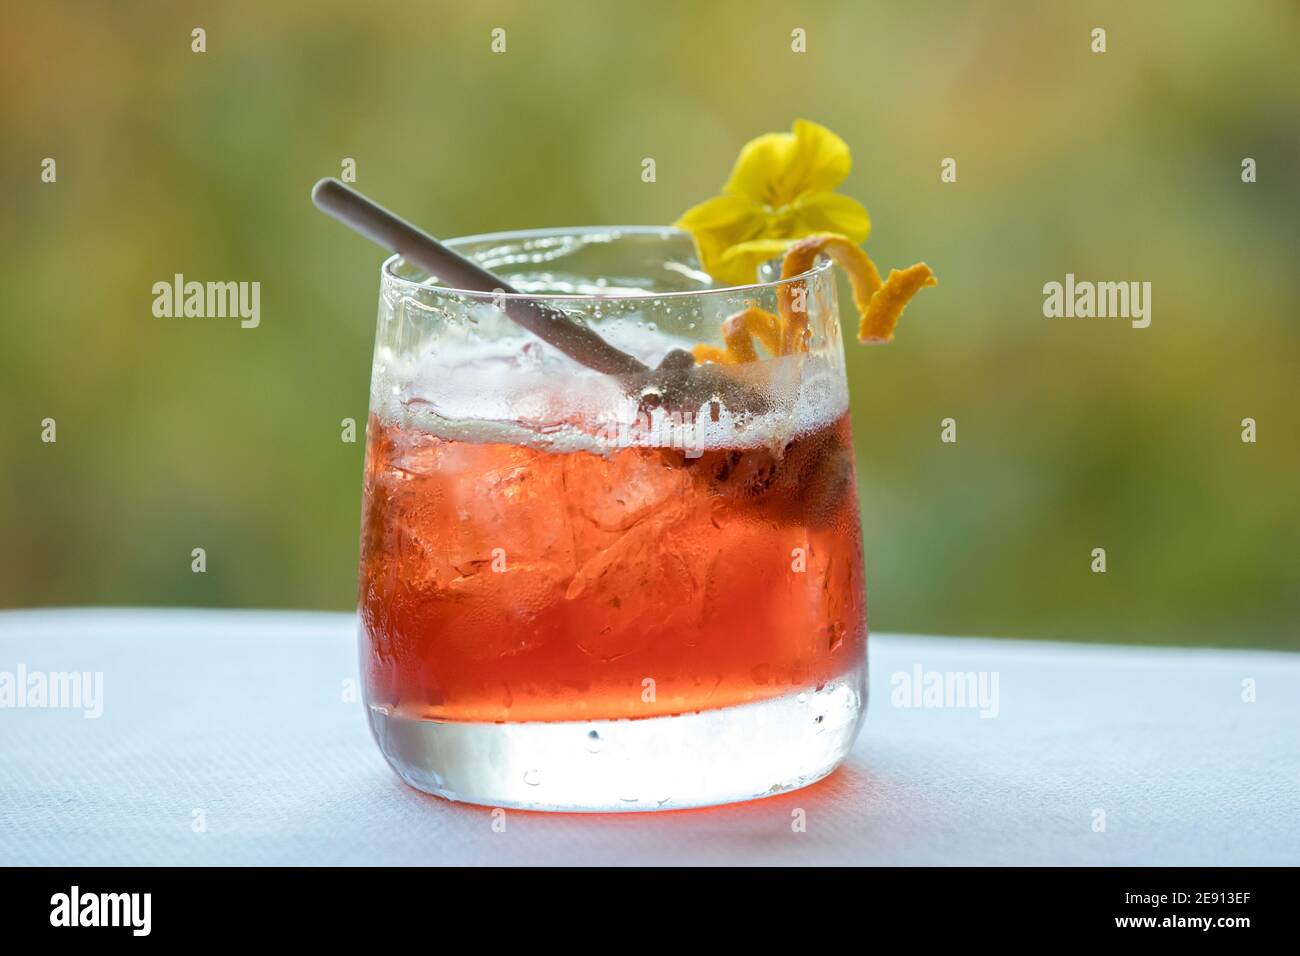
[781, 190]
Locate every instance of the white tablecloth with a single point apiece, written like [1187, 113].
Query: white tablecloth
[226, 738]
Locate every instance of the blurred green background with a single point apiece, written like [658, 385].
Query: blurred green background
[1072, 434]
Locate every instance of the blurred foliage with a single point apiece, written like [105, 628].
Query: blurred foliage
[1073, 434]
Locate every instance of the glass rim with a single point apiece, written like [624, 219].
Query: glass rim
[820, 265]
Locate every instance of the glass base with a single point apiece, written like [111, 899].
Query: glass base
[657, 763]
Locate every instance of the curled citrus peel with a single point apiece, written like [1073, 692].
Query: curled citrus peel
[881, 316]
[880, 304]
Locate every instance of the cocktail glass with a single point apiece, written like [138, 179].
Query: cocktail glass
[588, 592]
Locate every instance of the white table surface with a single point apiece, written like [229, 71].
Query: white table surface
[241, 715]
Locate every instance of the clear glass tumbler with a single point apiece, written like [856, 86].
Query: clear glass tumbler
[589, 591]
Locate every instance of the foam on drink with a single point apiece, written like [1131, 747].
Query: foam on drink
[518, 390]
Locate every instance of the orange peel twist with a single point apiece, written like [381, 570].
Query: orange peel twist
[880, 304]
[880, 317]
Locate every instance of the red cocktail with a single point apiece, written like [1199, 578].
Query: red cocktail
[583, 591]
[506, 583]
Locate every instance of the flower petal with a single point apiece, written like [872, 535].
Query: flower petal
[739, 264]
[719, 223]
[720, 212]
[830, 212]
[759, 168]
[817, 163]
